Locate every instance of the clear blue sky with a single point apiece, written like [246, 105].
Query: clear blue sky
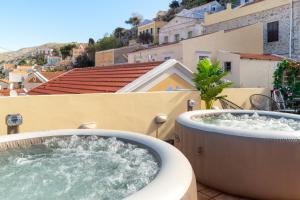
[25, 23]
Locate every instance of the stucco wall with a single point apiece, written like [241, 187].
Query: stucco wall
[181, 26]
[244, 40]
[173, 51]
[131, 112]
[249, 73]
[235, 74]
[257, 73]
[103, 58]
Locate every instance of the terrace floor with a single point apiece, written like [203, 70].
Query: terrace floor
[206, 193]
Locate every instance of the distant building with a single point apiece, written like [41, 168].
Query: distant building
[157, 53]
[8, 66]
[114, 56]
[151, 27]
[189, 51]
[53, 60]
[249, 70]
[25, 68]
[187, 23]
[280, 19]
[44, 51]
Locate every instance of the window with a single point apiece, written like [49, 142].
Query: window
[213, 8]
[147, 31]
[167, 58]
[158, 29]
[151, 31]
[200, 55]
[227, 66]
[177, 38]
[273, 31]
[190, 34]
[166, 39]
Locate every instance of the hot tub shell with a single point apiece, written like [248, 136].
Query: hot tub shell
[255, 164]
[175, 180]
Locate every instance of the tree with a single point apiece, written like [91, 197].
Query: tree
[135, 19]
[174, 4]
[40, 59]
[107, 42]
[67, 50]
[209, 81]
[83, 61]
[91, 42]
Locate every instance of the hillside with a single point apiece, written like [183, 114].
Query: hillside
[14, 56]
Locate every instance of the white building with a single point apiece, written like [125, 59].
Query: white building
[187, 23]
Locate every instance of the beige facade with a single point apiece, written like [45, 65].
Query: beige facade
[246, 40]
[246, 72]
[158, 53]
[114, 56]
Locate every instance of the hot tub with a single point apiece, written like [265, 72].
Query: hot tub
[261, 162]
[31, 163]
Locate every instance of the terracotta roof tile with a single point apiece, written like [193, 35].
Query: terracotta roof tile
[260, 57]
[107, 79]
[51, 75]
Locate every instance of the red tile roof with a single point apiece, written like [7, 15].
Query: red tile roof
[47, 75]
[107, 79]
[51, 75]
[260, 57]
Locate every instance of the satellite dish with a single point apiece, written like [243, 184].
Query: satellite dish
[13, 93]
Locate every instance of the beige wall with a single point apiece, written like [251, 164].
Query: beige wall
[249, 73]
[173, 51]
[103, 58]
[245, 40]
[230, 14]
[131, 112]
[235, 74]
[257, 73]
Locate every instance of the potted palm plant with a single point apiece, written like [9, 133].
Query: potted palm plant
[209, 81]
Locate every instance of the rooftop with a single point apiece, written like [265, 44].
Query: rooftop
[260, 57]
[107, 79]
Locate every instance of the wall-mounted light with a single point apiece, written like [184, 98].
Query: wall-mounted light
[191, 104]
[161, 118]
[13, 121]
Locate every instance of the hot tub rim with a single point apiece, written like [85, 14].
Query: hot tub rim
[168, 184]
[185, 120]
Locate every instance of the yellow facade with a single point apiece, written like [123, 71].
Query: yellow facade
[173, 82]
[230, 13]
[152, 28]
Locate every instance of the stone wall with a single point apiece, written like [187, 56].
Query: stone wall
[296, 29]
[281, 14]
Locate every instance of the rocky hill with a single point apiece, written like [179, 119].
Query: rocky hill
[14, 56]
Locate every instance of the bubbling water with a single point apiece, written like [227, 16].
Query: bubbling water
[249, 122]
[81, 168]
